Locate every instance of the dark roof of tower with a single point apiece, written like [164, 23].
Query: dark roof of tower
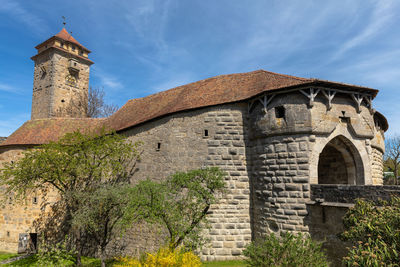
[209, 92]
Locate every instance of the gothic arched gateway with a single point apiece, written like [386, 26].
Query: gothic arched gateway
[340, 163]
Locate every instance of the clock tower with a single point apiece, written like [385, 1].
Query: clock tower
[61, 78]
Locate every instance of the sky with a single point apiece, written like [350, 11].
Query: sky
[141, 47]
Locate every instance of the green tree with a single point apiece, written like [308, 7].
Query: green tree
[100, 213]
[77, 163]
[180, 203]
[392, 155]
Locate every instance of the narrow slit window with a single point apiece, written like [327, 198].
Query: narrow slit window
[158, 146]
[205, 132]
[280, 112]
[8, 233]
[34, 200]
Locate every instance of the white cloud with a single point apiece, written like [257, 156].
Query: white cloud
[177, 80]
[150, 20]
[107, 81]
[382, 13]
[6, 88]
[9, 89]
[15, 11]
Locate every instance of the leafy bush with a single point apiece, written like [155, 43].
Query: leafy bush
[165, 257]
[55, 255]
[289, 250]
[375, 231]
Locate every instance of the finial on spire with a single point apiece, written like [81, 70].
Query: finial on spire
[64, 23]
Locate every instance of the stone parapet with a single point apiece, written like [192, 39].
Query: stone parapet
[349, 193]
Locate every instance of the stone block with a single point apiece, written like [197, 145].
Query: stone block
[300, 179]
[293, 147]
[291, 173]
[280, 148]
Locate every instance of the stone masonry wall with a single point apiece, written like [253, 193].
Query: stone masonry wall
[230, 218]
[14, 218]
[348, 193]
[51, 92]
[214, 136]
[280, 186]
[377, 166]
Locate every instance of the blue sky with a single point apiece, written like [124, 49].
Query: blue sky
[144, 46]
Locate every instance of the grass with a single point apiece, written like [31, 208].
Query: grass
[32, 261]
[224, 263]
[6, 255]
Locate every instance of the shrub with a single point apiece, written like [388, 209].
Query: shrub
[289, 250]
[55, 255]
[165, 257]
[374, 230]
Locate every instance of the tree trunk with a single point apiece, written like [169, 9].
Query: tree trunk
[102, 257]
[79, 249]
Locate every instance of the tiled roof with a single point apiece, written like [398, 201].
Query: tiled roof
[41, 131]
[63, 35]
[213, 91]
[208, 92]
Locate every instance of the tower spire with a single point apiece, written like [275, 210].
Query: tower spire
[64, 23]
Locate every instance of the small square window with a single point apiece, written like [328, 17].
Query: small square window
[280, 112]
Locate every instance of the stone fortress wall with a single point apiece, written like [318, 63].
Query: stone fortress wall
[14, 218]
[271, 156]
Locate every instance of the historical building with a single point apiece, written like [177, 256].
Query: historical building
[276, 136]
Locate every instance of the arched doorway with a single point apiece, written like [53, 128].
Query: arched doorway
[340, 163]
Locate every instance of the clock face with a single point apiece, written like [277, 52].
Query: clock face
[70, 80]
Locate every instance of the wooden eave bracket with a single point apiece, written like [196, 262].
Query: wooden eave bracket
[313, 92]
[358, 98]
[264, 100]
[329, 95]
[368, 100]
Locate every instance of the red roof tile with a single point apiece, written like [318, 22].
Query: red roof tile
[213, 91]
[65, 36]
[41, 131]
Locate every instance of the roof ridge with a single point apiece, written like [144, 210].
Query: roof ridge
[288, 76]
[66, 36]
[65, 118]
[199, 81]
